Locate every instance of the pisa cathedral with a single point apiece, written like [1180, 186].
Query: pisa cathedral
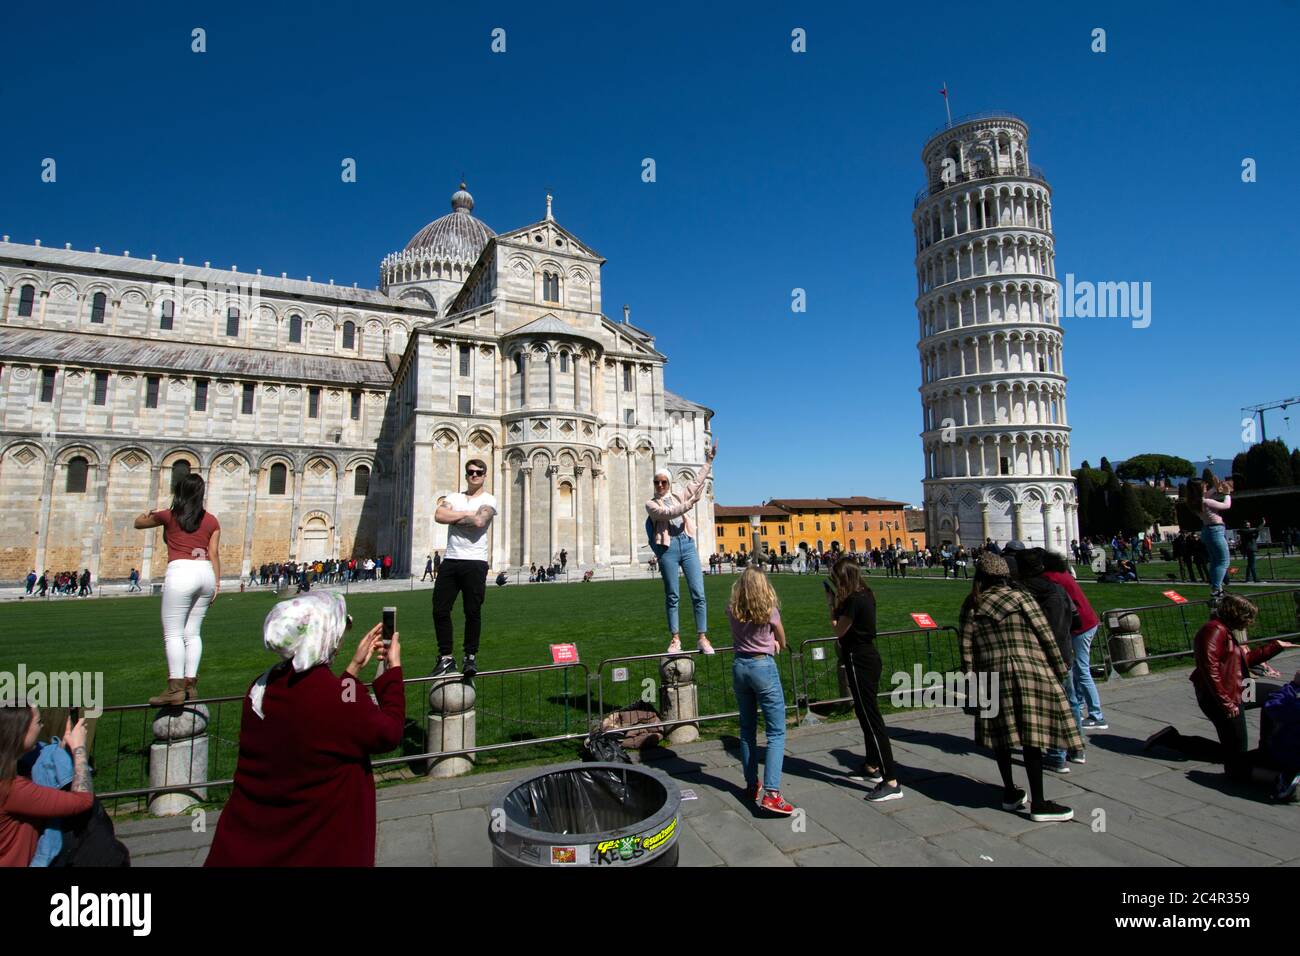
[995, 431]
[327, 420]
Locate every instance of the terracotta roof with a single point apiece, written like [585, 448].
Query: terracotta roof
[115, 351]
[868, 502]
[744, 511]
[805, 504]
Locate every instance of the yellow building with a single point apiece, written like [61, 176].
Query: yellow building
[821, 524]
[735, 534]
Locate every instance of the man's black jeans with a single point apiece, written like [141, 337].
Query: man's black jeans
[456, 578]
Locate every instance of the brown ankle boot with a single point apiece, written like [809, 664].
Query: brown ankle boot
[174, 696]
[191, 688]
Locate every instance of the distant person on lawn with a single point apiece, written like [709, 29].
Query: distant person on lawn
[304, 793]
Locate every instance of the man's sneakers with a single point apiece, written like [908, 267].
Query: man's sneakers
[1014, 799]
[1049, 812]
[884, 791]
[1076, 756]
[1056, 766]
[471, 666]
[1161, 738]
[1095, 723]
[773, 802]
[445, 666]
[1286, 788]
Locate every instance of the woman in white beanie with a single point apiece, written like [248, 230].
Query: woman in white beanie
[672, 538]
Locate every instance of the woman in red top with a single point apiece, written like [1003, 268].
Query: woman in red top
[1222, 666]
[304, 794]
[26, 807]
[193, 579]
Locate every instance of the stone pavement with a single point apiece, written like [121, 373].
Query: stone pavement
[1131, 808]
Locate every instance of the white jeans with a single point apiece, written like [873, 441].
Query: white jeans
[187, 592]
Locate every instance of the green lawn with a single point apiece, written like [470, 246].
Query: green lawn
[122, 639]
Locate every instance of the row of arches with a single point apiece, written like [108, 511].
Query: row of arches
[991, 353]
[1030, 403]
[990, 303]
[553, 375]
[990, 456]
[959, 211]
[993, 255]
[1033, 514]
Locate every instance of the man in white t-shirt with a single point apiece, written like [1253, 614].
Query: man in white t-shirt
[468, 515]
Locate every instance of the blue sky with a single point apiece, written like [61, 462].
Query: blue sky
[775, 170]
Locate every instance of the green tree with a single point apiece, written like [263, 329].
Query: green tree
[1157, 466]
[1295, 465]
[1130, 515]
[1105, 464]
[1239, 471]
[1086, 489]
[1158, 506]
[1268, 465]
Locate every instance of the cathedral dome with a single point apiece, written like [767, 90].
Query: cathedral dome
[456, 237]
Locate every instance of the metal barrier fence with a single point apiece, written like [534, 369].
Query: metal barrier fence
[1169, 630]
[936, 649]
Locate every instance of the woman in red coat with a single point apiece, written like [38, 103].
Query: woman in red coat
[304, 794]
[1222, 666]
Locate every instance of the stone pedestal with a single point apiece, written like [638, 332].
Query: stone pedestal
[452, 726]
[679, 698]
[178, 757]
[1126, 641]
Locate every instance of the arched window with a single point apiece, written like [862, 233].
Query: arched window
[78, 468]
[232, 322]
[180, 469]
[166, 315]
[97, 305]
[565, 507]
[279, 475]
[361, 481]
[519, 363]
[295, 328]
[349, 335]
[564, 361]
[26, 300]
[550, 287]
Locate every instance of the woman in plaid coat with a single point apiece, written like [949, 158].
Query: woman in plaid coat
[1005, 635]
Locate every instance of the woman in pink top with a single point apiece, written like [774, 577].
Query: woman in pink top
[757, 635]
[26, 808]
[193, 579]
[672, 538]
[1213, 532]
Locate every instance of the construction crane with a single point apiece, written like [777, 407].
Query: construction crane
[1261, 409]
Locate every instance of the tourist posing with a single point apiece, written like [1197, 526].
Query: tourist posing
[672, 538]
[304, 792]
[1004, 632]
[463, 572]
[27, 808]
[853, 618]
[192, 582]
[1223, 662]
[757, 636]
[1213, 533]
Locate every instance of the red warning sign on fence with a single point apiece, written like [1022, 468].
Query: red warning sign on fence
[1175, 597]
[564, 653]
[924, 620]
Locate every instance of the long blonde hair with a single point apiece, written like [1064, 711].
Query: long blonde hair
[752, 598]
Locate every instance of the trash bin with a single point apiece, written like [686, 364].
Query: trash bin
[587, 814]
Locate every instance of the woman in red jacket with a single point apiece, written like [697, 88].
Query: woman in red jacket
[304, 794]
[26, 808]
[1222, 666]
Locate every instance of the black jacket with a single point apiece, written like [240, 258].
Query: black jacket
[1057, 608]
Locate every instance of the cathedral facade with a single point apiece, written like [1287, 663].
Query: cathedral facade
[327, 421]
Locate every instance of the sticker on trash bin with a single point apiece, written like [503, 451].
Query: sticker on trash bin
[1175, 597]
[620, 675]
[564, 653]
[819, 653]
[625, 849]
[924, 620]
[570, 855]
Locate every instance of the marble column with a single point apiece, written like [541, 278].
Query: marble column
[552, 473]
[579, 520]
[600, 512]
[525, 513]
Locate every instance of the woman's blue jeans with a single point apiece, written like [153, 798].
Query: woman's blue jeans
[1085, 688]
[757, 683]
[1216, 547]
[681, 556]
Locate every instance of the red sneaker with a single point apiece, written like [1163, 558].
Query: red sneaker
[773, 802]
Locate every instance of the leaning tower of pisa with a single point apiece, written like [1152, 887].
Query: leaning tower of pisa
[995, 432]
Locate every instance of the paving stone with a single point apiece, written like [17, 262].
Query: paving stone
[927, 818]
[1209, 785]
[167, 840]
[851, 819]
[1281, 843]
[733, 839]
[422, 804]
[783, 833]
[174, 858]
[1168, 838]
[985, 848]
[407, 841]
[477, 796]
[1076, 844]
[1141, 794]
[461, 838]
[914, 852]
[835, 854]
[692, 851]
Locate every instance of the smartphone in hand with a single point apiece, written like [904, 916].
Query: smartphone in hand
[389, 625]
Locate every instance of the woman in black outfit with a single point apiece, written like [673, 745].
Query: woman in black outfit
[853, 615]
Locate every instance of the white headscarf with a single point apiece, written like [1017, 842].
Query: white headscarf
[306, 631]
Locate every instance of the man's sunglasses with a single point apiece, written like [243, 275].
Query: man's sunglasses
[471, 473]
